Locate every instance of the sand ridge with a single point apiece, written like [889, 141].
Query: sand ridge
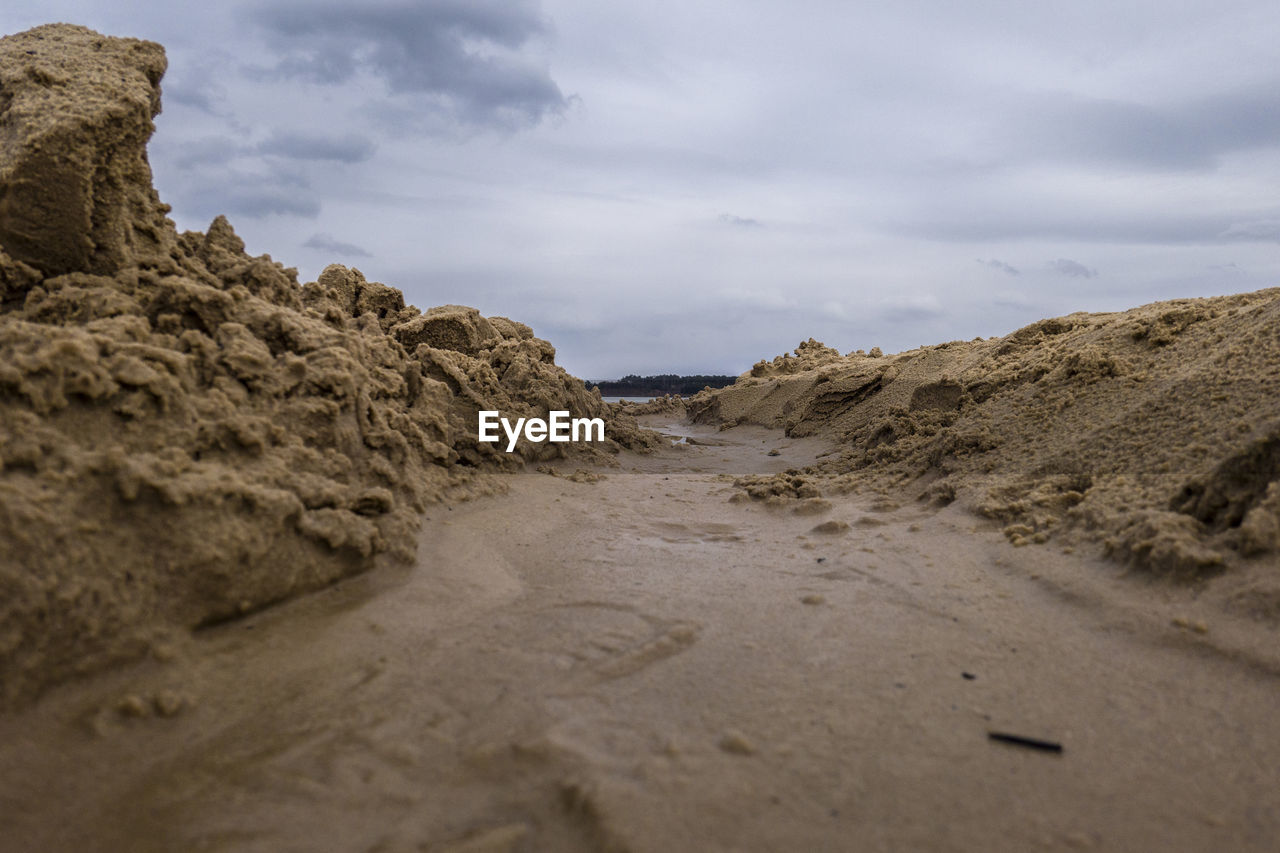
[1152, 433]
[796, 627]
[641, 663]
[187, 433]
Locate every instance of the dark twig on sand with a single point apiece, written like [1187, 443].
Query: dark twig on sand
[1029, 742]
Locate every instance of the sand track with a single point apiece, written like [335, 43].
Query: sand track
[639, 664]
[641, 657]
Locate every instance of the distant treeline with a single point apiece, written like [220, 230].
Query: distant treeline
[656, 386]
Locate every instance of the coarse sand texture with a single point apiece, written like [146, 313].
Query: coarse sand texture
[186, 433]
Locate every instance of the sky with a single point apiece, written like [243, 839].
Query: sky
[691, 186]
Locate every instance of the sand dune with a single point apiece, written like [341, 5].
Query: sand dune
[186, 433]
[1153, 432]
[642, 663]
[1017, 593]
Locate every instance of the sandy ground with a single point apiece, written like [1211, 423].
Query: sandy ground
[639, 664]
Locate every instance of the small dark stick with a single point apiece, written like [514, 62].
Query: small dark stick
[1030, 742]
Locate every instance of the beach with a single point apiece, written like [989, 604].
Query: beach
[269, 580]
[641, 663]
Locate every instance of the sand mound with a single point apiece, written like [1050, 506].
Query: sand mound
[1155, 431]
[667, 404]
[77, 110]
[186, 434]
[807, 356]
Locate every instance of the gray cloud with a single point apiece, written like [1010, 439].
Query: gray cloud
[189, 96]
[464, 55]
[992, 219]
[1000, 265]
[1066, 127]
[351, 148]
[1011, 299]
[326, 243]
[1261, 230]
[1146, 143]
[249, 194]
[260, 201]
[1190, 135]
[909, 307]
[740, 221]
[1074, 269]
[206, 151]
[196, 81]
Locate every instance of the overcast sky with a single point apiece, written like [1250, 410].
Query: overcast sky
[687, 187]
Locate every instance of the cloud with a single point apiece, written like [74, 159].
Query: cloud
[1074, 269]
[250, 194]
[466, 57]
[1259, 230]
[206, 151]
[1000, 265]
[351, 148]
[909, 307]
[1020, 300]
[196, 80]
[1191, 135]
[1002, 215]
[260, 201]
[768, 299]
[190, 96]
[1111, 132]
[326, 243]
[1061, 135]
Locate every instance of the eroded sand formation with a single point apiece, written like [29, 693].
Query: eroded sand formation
[1154, 431]
[186, 433]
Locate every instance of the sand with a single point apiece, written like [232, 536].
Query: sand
[187, 433]
[261, 588]
[641, 663]
[1153, 432]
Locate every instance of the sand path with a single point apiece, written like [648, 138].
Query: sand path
[639, 664]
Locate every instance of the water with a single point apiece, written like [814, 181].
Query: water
[611, 399]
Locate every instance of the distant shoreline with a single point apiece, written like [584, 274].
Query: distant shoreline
[633, 398]
[647, 387]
